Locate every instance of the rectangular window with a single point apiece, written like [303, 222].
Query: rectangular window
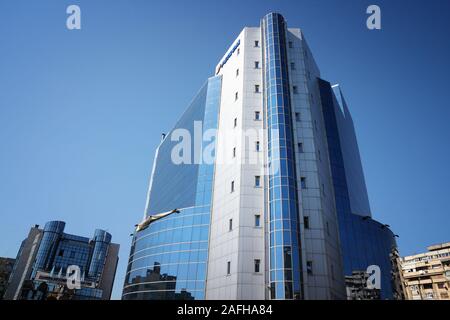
[256, 43]
[300, 147]
[306, 222]
[257, 220]
[237, 72]
[290, 44]
[256, 64]
[229, 267]
[230, 225]
[238, 51]
[257, 264]
[295, 89]
[309, 267]
[297, 116]
[257, 146]
[328, 228]
[232, 186]
[257, 88]
[235, 122]
[236, 96]
[293, 65]
[303, 182]
[257, 181]
[234, 152]
[257, 115]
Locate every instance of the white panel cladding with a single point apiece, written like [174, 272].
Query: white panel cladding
[245, 242]
[320, 242]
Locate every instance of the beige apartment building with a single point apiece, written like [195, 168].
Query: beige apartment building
[426, 276]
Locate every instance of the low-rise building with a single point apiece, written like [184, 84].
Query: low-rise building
[426, 276]
[6, 266]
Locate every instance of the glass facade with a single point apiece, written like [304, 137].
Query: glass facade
[102, 239]
[284, 247]
[364, 241]
[168, 259]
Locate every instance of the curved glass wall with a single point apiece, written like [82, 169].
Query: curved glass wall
[102, 239]
[284, 260]
[168, 259]
[363, 241]
[53, 231]
[368, 242]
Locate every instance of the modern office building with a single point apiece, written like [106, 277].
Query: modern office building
[258, 191]
[426, 276]
[6, 267]
[47, 257]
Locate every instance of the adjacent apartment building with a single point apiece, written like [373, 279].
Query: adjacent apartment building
[426, 276]
[258, 191]
[41, 268]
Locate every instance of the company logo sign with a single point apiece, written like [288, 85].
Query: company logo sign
[225, 60]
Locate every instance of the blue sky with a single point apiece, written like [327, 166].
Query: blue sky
[81, 112]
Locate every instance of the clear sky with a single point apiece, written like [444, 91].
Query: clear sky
[81, 112]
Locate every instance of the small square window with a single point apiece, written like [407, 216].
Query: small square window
[300, 147]
[257, 115]
[297, 116]
[290, 44]
[303, 182]
[295, 89]
[257, 181]
[257, 220]
[293, 65]
[309, 267]
[257, 88]
[257, 265]
[306, 222]
[257, 146]
[256, 64]
[256, 43]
